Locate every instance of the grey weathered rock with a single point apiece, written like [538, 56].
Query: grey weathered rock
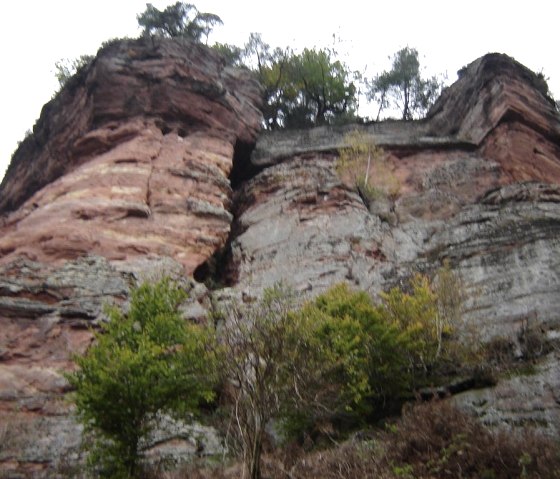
[298, 223]
[141, 190]
[39, 433]
[478, 187]
[531, 401]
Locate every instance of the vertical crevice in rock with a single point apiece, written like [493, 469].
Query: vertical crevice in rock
[149, 181]
[243, 169]
[216, 272]
[148, 185]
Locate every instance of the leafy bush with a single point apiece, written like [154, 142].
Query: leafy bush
[143, 363]
[361, 163]
[431, 441]
[416, 315]
[366, 349]
[298, 367]
[339, 357]
[377, 353]
[307, 366]
[438, 440]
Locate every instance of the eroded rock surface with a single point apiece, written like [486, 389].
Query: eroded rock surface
[132, 158]
[124, 178]
[128, 175]
[478, 186]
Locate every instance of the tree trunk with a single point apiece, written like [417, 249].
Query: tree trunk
[131, 461]
[255, 457]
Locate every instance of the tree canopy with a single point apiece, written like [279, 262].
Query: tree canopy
[145, 362]
[66, 68]
[403, 87]
[310, 88]
[178, 20]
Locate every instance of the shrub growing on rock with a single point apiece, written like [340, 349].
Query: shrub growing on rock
[178, 20]
[300, 366]
[361, 163]
[144, 362]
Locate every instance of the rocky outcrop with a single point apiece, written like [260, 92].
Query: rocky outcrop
[46, 315]
[141, 166]
[477, 186]
[132, 158]
[125, 177]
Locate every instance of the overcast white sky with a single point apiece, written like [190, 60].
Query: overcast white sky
[448, 34]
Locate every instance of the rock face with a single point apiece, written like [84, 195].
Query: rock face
[125, 175]
[132, 158]
[141, 166]
[478, 185]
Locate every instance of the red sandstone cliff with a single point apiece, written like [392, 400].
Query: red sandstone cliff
[132, 158]
[127, 175]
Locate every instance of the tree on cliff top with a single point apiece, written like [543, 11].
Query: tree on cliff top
[311, 88]
[403, 86]
[145, 362]
[66, 68]
[178, 20]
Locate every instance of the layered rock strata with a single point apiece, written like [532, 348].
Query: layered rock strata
[132, 158]
[124, 177]
[129, 174]
[477, 186]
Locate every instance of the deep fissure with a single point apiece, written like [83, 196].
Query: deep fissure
[218, 271]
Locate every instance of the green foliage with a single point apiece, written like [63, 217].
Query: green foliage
[232, 54]
[177, 20]
[416, 315]
[324, 89]
[338, 356]
[403, 86]
[66, 69]
[306, 89]
[297, 366]
[381, 350]
[362, 349]
[361, 163]
[145, 362]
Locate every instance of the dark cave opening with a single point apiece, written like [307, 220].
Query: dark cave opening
[243, 169]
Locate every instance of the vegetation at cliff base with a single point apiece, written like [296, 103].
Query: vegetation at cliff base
[339, 358]
[321, 369]
[144, 363]
[430, 440]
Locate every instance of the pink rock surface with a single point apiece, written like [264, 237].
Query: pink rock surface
[132, 158]
[127, 175]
